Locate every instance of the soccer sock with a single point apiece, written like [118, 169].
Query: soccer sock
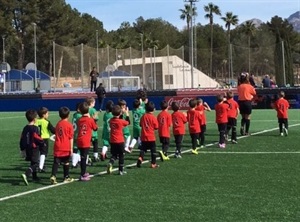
[34, 175]
[54, 168]
[42, 161]
[243, 121]
[96, 155]
[104, 150]
[247, 125]
[127, 141]
[75, 159]
[133, 142]
[153, 158]
[66, 170]
[95, 146]
[280, 127]
[87, 159]
[233, 133]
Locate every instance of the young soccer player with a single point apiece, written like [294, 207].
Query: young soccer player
[195, 120]
[76, 155]
[178, 121]
[117, 139]
[137, 112]
[94, 115]
[63, 145]
[106, 129]
[202, 107]
[149, 124]
[86, 126]
[221, 119]
[30, 142]
[282, 106]
[232, 114]
[164, 122]
[126, 132]
[46, 129]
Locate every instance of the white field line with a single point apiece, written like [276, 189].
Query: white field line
[147, 161]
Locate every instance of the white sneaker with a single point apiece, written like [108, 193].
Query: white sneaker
[127, 150]
[281, 134]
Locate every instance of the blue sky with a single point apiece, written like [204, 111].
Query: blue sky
[113, 12]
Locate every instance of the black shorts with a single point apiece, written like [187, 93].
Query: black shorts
[245, 107]
[164, 140]
[231, 122]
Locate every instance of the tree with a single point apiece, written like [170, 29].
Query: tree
[211, 9]
[229, 20]
[249, 29]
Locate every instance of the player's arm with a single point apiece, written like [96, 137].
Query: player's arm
[206, 106]
[51, 128]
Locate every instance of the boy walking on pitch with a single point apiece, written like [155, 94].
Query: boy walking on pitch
[117, 139]
[63, 145]
[221, 119]
[149, 124]
[164, 122]
[195, 120]
[282, 106]
[178, 121]
[30, 142]
[232, 113]
[86, 126]
[126, 132]
[46, 129]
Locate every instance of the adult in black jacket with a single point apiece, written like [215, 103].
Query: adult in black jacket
[93, 76]
[100, 91]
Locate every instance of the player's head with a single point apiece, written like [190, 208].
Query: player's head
[220, 98]
[109, 105]
[150, 107]
[229, 94]
[116, 110]
[84, 108]
[43, 112]
[122, 102]
[136, 103]
[175, 106]
[281, 94]
[199, 101]
[163, 105]
[64, 112]
[243, 78]
[31, 115]
[90, 101]
[192, 103]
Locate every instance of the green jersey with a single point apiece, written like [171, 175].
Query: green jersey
[75, 118]
[94, 115]
[136, 117]
[126, 131]
[106, 129]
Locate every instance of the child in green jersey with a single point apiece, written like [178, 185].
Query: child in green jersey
[93, 114]
[76, 154]
[106, 128]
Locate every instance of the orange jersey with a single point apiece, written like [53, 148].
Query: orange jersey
[282, 106]
[201, 109]
[195, 121]
[178, 120]
[149, 124]
[245, 92]
[233, 108]
[221, 112]
[63, 136]
[164, 122]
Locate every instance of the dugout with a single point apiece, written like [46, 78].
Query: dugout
[23, 80]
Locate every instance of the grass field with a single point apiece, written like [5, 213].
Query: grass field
[257, 179]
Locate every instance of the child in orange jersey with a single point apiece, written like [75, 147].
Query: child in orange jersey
[195, 120]
[233, 113]
[178, 121]
[282, 106]
[164, 122]
[202, 107]
[149, 124]
[221, 119]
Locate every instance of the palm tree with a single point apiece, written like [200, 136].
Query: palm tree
[211, 9]
[249, 29]
[229, 20]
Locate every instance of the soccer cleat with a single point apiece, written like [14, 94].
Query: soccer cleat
[68, 180]
[281, 134]
[109, 168]
[285, 130]
[222, 145]
[167, 158]
[139, 162]
[86, 175]
[53, 180]
[102, 157]
[24, 177]
[127, 150]
[162, 156]
[154, 165]
[83, 178]
[121, 173]
[194, 151]
[234, 142]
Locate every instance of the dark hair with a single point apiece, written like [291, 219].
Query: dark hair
[150, 106]
[90, 100]
[42, 111]
[64, 112]
[229, 94]
[109, 105]
[122, 102]
[243, 78]
[84, 108]
[199, 100]
[163, 105]
[281, 94]
[220, 98]
[193, 103]
[136, 103]
[30, 115]
[175, 106]
[116, 110]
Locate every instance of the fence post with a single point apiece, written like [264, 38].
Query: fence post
[81, 66]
